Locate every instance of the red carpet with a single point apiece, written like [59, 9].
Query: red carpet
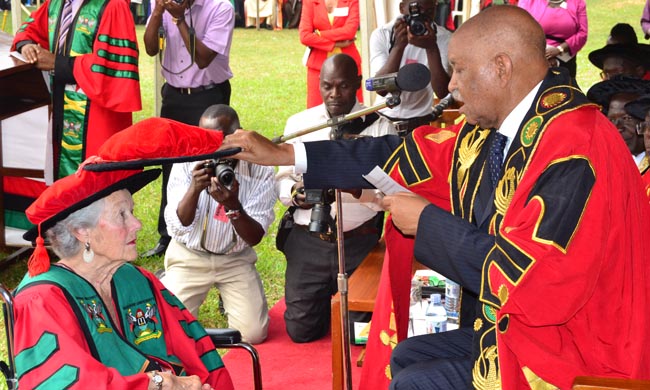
[285, 364]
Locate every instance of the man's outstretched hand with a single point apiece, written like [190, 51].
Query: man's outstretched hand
[405, 209]
[258, 149]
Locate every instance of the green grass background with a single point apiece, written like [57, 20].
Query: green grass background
[268, 87]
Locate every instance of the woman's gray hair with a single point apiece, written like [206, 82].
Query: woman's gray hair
[61, 235]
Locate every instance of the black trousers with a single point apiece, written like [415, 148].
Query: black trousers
[312, 270]
[437, 361]
[187, 109]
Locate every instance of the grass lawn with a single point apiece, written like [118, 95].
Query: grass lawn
[269, 86]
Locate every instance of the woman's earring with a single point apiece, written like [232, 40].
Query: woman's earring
[88, 254]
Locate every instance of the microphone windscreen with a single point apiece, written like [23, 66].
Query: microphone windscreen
[413, 77]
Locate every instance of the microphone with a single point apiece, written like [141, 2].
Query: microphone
[410, 77]
[442, 105]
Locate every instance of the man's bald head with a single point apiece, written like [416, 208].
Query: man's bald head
[339, 62]
[497, 57]
[339, 82]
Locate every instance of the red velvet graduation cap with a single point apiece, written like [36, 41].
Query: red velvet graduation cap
[72, 193]
[156, 141]
[118, 165]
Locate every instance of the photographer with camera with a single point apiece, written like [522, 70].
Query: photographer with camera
[192, 38]
[217, 211]
[310, 246]
[412, 38]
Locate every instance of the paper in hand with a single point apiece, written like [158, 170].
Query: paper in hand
[378, 178]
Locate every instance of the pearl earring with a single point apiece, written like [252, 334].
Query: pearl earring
[88, 254]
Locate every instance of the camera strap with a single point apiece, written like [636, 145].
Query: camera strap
[162, 35]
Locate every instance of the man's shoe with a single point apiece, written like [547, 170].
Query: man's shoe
[157, 250]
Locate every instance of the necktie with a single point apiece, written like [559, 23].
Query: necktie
[64, 26]
[495, 157]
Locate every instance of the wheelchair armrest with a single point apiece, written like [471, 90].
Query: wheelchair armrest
[224, 335]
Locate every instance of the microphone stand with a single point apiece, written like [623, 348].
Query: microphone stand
[391, 101]
[342, 278]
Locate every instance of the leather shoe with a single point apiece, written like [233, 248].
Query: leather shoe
[157, 250]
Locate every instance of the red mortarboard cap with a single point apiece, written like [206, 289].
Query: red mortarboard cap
[72, 193]
[157, 141]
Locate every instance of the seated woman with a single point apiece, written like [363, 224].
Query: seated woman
[93, 320]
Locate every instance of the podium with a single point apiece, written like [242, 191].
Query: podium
[22, 89]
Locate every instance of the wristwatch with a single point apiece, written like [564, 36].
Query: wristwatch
[157, 380]
[560, 49]
[233, 214]
[178, 21]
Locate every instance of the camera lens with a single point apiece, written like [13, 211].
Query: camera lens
[417, 27]
[225, 175]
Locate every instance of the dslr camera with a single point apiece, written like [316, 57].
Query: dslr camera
[223, 170]
[416, 20]
[320, 220]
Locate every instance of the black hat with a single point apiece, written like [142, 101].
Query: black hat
[639, 108]
[636, 52]
[601, 93]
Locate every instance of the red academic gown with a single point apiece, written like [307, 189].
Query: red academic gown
[562, 285]
[317, 33]
[43, 312]
[106, 88]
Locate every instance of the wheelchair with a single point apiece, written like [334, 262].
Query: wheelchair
[222, 338]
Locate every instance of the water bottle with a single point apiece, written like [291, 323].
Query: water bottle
[436, 316]
[452, 303]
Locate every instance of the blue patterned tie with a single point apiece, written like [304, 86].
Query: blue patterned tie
[495, 157]
[64, 26]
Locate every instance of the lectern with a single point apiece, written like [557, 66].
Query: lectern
[22, 89]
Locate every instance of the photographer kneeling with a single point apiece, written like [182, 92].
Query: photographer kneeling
[310, 247]
[216, 212]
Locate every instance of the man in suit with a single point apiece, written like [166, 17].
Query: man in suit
[547, 241]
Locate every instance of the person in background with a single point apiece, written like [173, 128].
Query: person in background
[613, 95]
[94, 320]
[91, 54]
[622, 59]
[622, 33]
[645, 20]
[327, 27]
[291, 10]
[565, 26]
[265, 13]
[215, 220]
[536, 229]
[641, 108]
[195, 66]
[312, 257]
[394, 45]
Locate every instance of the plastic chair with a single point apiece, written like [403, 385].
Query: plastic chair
[222, 338]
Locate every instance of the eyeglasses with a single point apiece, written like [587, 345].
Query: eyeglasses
[643, 128]
[606, 75]
[625, 120]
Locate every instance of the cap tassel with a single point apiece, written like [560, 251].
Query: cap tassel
[39, 261]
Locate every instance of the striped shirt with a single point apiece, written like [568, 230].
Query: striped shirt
[257, 196]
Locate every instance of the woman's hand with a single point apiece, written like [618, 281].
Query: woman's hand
[345, 43]
[173, 382]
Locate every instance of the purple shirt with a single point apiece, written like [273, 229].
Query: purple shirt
[645, 19]
[568, 24]
[214, 21]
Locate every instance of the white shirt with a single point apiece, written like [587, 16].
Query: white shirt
[256, 194]
[511, 124]
[413, 104]
[355, 212]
